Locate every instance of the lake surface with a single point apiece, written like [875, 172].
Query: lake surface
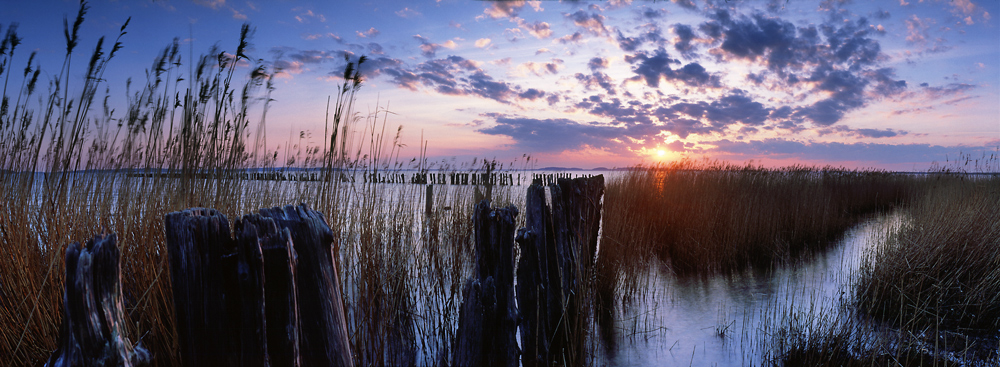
[726, 320]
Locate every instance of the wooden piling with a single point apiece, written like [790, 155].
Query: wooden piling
[93, 330]
[198, 239]
[487, 325]
[324, 338]
[271, 296]
[281, 308]
[558, 245]
[429, 200]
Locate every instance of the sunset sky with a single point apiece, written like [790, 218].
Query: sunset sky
[884, 84]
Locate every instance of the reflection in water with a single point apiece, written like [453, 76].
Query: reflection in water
[726, 320]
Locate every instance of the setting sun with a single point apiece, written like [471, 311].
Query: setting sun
[661, 153]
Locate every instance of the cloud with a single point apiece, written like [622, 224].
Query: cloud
[539, 29]
[503, 9]
[597, 63]
[576, 37]
[456, 76]
[630, 113]
[237, 15]
[592, 23]
[861, 133]
[540, 68]
[656, 67]
[536, 135]
[429, 49]
[652, 14]
[916, 28]
[370, 33]
[702, 117]
[483, 42]
[214, 4]
[285, 69]
[307, 15]
[597, 80]
[631, 44]
[316, 36]
[686, 4]
[682, 43]
[408, 13]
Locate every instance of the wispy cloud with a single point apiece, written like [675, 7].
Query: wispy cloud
[307, 15]
[408, 13]
[370, 33]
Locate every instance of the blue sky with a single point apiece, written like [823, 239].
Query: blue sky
[886, 84]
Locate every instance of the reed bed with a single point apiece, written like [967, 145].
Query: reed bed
[70, 168]
[937, 272]
[710, 217]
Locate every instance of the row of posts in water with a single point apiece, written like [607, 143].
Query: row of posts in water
[452, 178]
[456, 178]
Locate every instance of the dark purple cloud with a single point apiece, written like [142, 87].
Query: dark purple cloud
[630, 113]
[861, 133]
[539, 135]
[702, 117]
[685, 34]
[455, 76]
[591, 22]
[597, 63]
[597, 80]
[653, 67]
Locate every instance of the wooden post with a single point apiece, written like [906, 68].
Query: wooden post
[429, 202]
[92, 330]
[250, 276]
[558, 245]
[487, 325]
[324, 339]
[202, 276]
[281, 306]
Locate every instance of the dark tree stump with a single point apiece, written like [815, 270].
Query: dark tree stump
[558, 246]
[487, 325]
[92, 330]
[250, 278]
[324, 339]
[281, 307]
[203, 274]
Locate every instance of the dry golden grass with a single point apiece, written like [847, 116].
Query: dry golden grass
[713, 217]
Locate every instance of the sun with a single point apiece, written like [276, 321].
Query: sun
[661, 153]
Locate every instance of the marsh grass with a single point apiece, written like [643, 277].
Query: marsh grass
[926, 291]
[937, 272]
[710, 218]
[70, 168]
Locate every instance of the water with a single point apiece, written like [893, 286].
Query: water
[727, 320]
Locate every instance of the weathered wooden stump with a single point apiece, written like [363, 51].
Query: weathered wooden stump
[271, 296]
[281, 308]
[250, 278]
[92, 331]
[203, 274]
[488, 320]
[558, 246]
[324, 339]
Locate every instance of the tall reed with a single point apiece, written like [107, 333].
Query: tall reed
[716, 217]
[937, 272]
[192, 135]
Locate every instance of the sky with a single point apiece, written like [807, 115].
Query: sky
[892, 85]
